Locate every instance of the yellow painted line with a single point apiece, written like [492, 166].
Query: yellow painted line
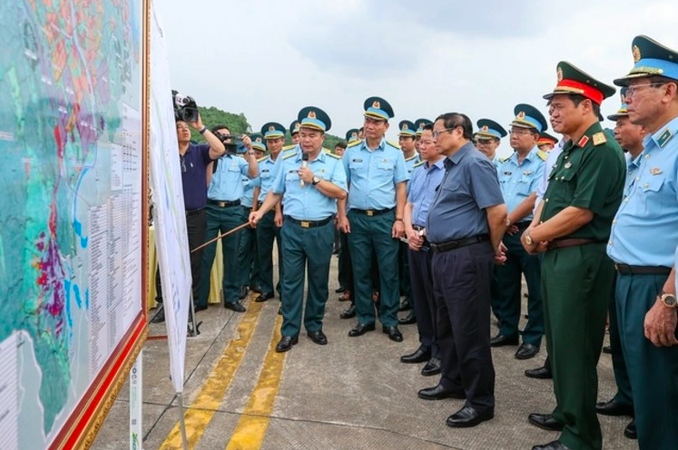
[199, 414]
[251, 429]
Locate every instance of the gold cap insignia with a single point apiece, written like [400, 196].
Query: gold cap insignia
[376, 104]
[354, 136]
[271, 128]
[311, 114]
[485, 128]
[521, 115]
[559, 73]
[405, 127]
[636, 54]
[297, 125]
[258, 139]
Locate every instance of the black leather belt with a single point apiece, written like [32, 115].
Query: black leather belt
[310, 223]
[372, 212]
[224, 204]
[451, 245]
[194, 212]
[626, 269]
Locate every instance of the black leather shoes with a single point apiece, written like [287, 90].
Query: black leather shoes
[361, 329]
[612, 408]
[349, 313]
[242, 293]
[159, 316]
[468, 417]
[431, 368]
[545, 422]
[318, 337]
[607, 349]
[500, 340]
[235, 306]
[541, 373]
[440, 392]
[408, 319]
[555, 445]
[264, 296]
[255, 288]
[340, 289]
[286, 343]
[527, 351]
[422, 354]
[393, 333]
[630, 430]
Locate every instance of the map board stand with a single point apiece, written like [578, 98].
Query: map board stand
[136, 377]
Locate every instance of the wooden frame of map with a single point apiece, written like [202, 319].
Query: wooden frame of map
[74, 135]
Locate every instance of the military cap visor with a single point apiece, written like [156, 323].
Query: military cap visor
[651, 59]
[574, 81]
[545, 138]
[314, 118]
[527, 116]
[273, 130]
[406, 129]
[378, 108]
[489, 129]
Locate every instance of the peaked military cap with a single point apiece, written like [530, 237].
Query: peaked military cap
[572, 80]
[623, 109]
[527, 116]
[273, 130]
[294, 127]
[419, 124]
[545, 138]
[258, 142]
[315, 118]
[406, 129]
[651, 59]
[378, 108]
[489, 129]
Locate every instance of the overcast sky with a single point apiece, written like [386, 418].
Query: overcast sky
[268, 59]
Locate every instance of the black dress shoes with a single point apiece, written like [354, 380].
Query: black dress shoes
[527, 351]
[408, 319]
[349, 313]
[264, 296]
[255, 288]
[555, 445]
[541, 373]
[361, 329]
[468, 417]
[235, 306]
[159, 316]
[612, 408]
[440, 392]
[318, 337]
[422, 354]
[431, 368]
[500, 340]
[243, 292]
[340, 289]
[545, 422]
[607, 349]
[286, 343]
[630, 430]
[393, 333]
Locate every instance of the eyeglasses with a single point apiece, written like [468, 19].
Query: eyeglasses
[437, 133]
[632, 90]
[520, 131]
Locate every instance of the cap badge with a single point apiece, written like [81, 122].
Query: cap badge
[311, 114]
[404, 127]
[485, 128]
[636, 54]
[559, 73]
[376, 104]
[258, 139]
[521, 115]
[271, 128]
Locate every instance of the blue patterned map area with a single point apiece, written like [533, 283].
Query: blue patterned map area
[68, 71]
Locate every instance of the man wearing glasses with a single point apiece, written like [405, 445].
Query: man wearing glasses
[377, 178]
[519, 176]
[194, 159]
[223, 214]
[464, 227]
[644, 233]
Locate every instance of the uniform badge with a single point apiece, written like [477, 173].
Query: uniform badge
[376, 105]
[311, 114]
[567, 165]
[356, 160]
[583, 141]
[271, 128]
[664, 138]
[559, 74]
[636, 54]
[521, 115]
[485, 128]
[655, 171]
[258, 139]
[599, 138]
[527, 172]
[508, 174]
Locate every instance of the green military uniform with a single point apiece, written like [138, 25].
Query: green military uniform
[577, 277]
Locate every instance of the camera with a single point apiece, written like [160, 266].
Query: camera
[185, 107]
[233, 146]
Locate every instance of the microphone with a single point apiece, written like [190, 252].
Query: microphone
[304, 163]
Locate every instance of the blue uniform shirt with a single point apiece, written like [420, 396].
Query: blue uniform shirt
[226, 182]
[373, 174]
[307, 202]
[266, 175]
[422, 189]
[518, 181]
[247, 199]
[411, 162]
[469, 186]
[645, 229]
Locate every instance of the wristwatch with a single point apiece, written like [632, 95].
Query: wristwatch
[202, 131]
[528, 238]
[668, 299]
[316, 180]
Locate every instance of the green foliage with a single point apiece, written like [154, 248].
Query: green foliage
[238, 124]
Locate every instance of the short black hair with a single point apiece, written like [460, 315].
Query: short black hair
[578, 98]
[341, 144]
[454, 120]
[428, 127]
[219, 127]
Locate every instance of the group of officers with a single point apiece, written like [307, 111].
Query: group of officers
[593, 230]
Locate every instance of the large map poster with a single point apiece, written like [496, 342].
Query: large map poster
[72, 221]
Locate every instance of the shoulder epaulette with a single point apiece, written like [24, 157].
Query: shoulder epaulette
[542, 155]
[503, 160]
[420, 163]
[288, 147]
[393, 145]
[332, 155]
[327, 150]
[289, 155]
[599, 138]
[353, 144]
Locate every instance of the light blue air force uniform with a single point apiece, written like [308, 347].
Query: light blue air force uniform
[519, 180]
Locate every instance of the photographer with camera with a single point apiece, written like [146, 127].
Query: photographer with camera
[224, 214]
[194, 159]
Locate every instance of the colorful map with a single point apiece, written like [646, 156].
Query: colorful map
[70, 178]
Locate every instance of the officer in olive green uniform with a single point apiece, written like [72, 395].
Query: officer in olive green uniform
[572, 226]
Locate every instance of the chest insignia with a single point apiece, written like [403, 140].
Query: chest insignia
[655, 171]
[567, 165]
[527, 172]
